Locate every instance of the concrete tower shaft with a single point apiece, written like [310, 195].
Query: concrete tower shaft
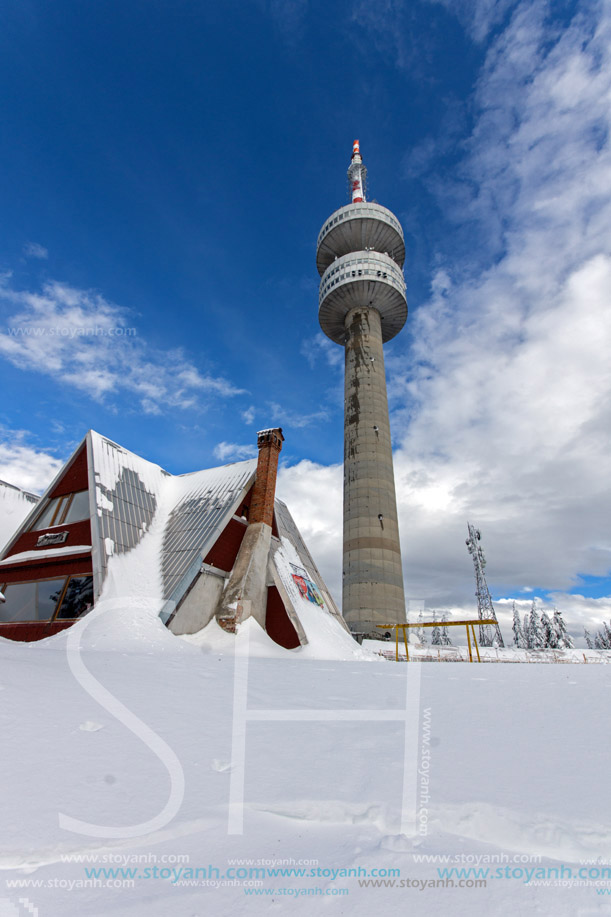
[372, 574]
[360, 255]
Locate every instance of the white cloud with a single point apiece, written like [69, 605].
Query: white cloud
[24, 466]
[80, 339]
[388, 28]
[248, 415]
[34, 250]
[319, 347]
[510, 394]
[581, 611]
[295, 419]
[478, 17]
[192, 378]
[234, 452]
[504, 399]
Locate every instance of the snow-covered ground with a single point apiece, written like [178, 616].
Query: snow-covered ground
[126, 748]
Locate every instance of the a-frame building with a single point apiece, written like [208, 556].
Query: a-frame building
[213, 542]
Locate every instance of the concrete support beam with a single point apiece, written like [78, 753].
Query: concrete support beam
[197, 608]
[246, 590]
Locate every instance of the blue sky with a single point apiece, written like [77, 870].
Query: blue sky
[166, 168]
[180, 159]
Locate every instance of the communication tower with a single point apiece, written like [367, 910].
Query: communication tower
[359, 256]
[488, 633]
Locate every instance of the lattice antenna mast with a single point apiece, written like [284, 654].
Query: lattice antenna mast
[485, 609]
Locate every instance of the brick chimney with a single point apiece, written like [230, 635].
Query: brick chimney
[264, 491]
[245, 592]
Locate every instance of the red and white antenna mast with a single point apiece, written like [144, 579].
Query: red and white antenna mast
[357, 175]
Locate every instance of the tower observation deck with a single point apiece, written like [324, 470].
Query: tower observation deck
[359, 256]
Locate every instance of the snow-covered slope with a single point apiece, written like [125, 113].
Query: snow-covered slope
[147, 738]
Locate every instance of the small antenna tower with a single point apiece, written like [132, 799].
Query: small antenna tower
[485, 609]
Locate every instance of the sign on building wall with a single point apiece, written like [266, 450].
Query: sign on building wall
[51, 538]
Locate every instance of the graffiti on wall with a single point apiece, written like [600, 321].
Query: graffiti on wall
[307, 589]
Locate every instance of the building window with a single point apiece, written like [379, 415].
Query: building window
[67, 597]
[63, 510]
[78, 598]
[78, 509]
[31, 601]
[46, 518]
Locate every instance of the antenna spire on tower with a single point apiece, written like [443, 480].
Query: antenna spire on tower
[357, 175]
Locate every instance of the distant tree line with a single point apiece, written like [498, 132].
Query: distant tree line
[440, 635]
[602, 638]
[538, 632]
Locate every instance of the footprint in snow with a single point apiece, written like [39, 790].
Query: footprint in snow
[91, 726]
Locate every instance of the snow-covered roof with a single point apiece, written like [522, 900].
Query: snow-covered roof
[205, 501]
[42, 554]
[187, 512]
[125, 490]
[15, 504]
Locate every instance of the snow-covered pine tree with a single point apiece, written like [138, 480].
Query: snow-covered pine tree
[445, 636]
[588, 637]
[604, 637]
[563, 639]
[526, 632]
[518, 634]
[548, 632]
[421, 631]
[534, 628]
[436, 639]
